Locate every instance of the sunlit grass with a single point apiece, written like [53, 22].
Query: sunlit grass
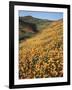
[42, 56]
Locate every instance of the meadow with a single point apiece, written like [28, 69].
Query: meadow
[41, 56]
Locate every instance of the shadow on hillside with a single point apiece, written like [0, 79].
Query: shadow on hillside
[30, 32]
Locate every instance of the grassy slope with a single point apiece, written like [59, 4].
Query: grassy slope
[23, 26]
[40, 23]
[42, 56]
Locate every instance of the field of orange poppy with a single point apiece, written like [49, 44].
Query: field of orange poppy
[41, 56]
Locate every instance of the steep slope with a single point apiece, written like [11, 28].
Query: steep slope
[42, 56]
[38, 22]
[26, 29]
[29, 26]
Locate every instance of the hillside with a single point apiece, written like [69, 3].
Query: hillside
[29, 26]
[40, 23]
[41, 56]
